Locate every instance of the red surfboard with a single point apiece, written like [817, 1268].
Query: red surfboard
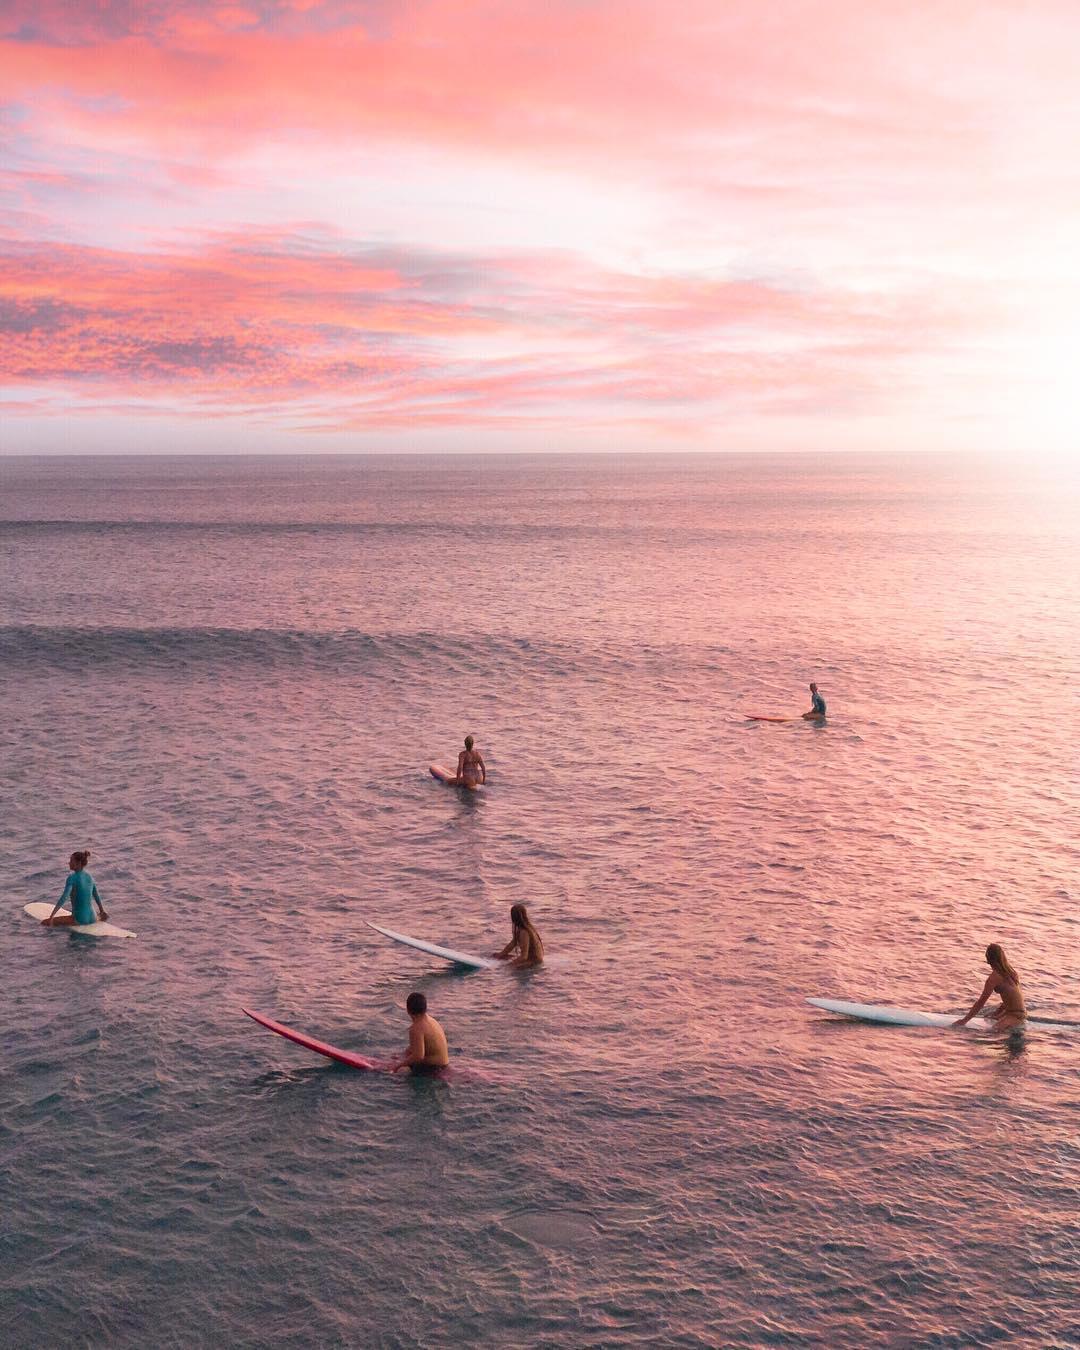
[753, 717]
[310, 1043]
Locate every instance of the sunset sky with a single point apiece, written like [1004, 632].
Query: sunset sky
[540, 224]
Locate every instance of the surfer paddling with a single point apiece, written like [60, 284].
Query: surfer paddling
[817, 705]
[1003, 981]
[427, 1052]
[525, 941]
[83, 892]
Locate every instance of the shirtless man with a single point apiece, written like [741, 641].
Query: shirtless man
[427, 1052]
[471, 770]
[817, 704]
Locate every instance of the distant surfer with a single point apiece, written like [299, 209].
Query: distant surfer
[817, 705]
[471, 769]
[427, 1052]
[83, 892]
[525, 941]
[1003, 981]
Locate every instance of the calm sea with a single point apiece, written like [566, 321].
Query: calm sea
[227, 678]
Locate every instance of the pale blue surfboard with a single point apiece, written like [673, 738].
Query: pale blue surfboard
[432, 949]
[907, 1017]
[877, 1012]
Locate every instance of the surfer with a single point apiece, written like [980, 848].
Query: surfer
[525, 941]
[471, 769]
[427, 1052]
[1003, 981]
[84, 895]
[817, 704]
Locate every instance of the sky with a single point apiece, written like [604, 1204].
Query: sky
[358, 225]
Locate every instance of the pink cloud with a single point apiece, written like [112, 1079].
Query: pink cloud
[825, 204]
[542, 78]
[786, 87]
[375, 335]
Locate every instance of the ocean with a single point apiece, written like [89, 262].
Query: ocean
[227, 678]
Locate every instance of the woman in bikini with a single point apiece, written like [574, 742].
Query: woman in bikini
[471, 770]
[525, 941]
[1003, 981]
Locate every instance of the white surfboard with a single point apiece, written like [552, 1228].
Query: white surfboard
[907, 1017]
[877, 1012]
[447, 954]
[41, 909]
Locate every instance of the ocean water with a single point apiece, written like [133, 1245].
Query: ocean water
[227, 678]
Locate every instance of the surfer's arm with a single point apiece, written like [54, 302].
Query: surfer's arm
[483, 767]
[415, 1053]
[506, 951]
[97, 901]
[67, 891]
[988, 989]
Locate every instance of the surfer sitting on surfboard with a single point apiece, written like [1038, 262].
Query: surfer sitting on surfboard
[80, 886]
[427, 1052]
[526, 941]
[1004, 982]
[471, 770]
[817, 704]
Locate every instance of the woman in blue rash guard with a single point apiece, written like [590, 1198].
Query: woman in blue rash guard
[84, 895]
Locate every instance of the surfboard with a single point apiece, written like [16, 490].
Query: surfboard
[906, 1017]
[310, 1043]
[876, 1012]
[447, 776]
[447, 953]
[755, 717]
[41, 909]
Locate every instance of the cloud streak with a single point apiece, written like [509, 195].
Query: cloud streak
[376, 336]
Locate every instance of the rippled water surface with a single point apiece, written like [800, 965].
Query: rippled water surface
[227, 678]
